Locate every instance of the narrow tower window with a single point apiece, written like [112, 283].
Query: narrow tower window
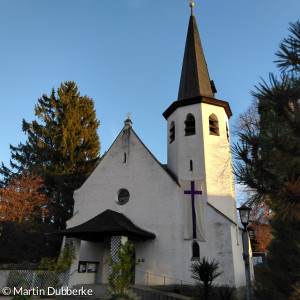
[195, 251]
[190, 125]
[124, 161]
[227, 132]
[191, 165]
[213, 125]
[172, 132]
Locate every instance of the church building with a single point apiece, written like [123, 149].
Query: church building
[174, 214]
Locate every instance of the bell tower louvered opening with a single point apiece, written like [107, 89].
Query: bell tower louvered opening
[190, 125]
[213, 125]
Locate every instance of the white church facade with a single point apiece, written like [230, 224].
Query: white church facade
[174, 213]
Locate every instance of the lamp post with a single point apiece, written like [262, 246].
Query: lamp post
[244, 216]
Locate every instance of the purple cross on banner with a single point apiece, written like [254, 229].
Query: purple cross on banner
[193, 192]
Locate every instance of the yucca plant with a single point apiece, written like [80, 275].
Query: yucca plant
[204, 272]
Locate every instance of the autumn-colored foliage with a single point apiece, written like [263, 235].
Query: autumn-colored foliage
[23, 199]
[263, 236]
[260, 226]
[296, 293]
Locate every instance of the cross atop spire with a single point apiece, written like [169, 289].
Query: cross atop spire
[195, 79]
[128, 114]
[128, 122]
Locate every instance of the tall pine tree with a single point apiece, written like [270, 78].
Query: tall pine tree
[268, 161]
[62, 146]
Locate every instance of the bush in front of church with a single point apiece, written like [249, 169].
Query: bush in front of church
[26, 242]
[121, 267]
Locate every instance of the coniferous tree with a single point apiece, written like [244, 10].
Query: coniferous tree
[62, 146]
[268, 161]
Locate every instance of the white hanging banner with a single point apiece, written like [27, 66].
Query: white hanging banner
[193, 211]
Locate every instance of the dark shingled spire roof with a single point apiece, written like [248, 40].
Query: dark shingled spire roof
[195, 79]
[195, 84]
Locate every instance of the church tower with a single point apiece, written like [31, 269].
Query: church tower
[198, 130]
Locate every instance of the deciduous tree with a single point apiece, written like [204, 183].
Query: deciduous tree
[23, 199]
[260, 217]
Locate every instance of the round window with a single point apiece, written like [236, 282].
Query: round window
[123, 196]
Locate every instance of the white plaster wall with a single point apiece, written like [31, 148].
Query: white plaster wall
[156, 205]
[173, 147]
[186, 148]
[218, 163]
[237, 250]
[90, 251]
[210, 154]
[74, 267]
[218, 244]
[86, 251]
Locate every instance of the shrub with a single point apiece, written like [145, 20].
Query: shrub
[226, 292]
[121, 270]
[58, 265]
[204, 272]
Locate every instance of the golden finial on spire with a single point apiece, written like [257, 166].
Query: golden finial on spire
[191, 6]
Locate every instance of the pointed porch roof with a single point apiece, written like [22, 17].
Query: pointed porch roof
[108, 223]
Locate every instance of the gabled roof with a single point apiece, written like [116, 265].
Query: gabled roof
[195, 79]
[108, 223]
[164, 167]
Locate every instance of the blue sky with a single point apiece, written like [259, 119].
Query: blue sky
[127, 56]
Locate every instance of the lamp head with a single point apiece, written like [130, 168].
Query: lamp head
[244, 214]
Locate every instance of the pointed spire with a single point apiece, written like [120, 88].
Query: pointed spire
[195, 79]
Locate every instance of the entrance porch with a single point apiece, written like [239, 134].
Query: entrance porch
[96, 241]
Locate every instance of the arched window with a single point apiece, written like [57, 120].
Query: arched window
[195, 251]
[172, 132]
[213, 125]
[190, 125]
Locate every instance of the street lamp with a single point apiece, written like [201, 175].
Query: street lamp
[244, 216]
